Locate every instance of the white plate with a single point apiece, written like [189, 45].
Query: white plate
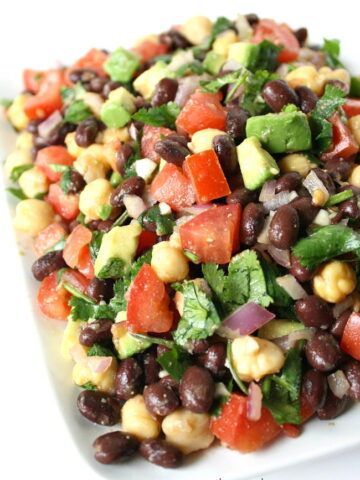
[319, 438]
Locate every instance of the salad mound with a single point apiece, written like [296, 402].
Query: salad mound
[194, 206]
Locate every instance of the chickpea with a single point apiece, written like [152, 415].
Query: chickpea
[188, 431]
[325, 74]
[354, 178]
[253, 357]
[203, 139]
[92, 163]
[305, 76]
[70, 338]
[16, 113]
[72, 146]
[15, 159]
[33, 182]
[32, 216]
[175, 239]
[319, 197]
[110, 135]
[354, 125]
[295, 162]
[223, 41]
[334, 281]
[104, 381]
[169, 262]
[137, 420]
[24, 141]
[197, 29]
[96, 194]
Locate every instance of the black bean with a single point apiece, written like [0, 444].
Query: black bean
[32, 126]
[115, 447]
[236, 119]
[338, 328]
[170, 382]
[100, 225]
[48, 263]
[122, 156]
[99, 407]
[305, 209]
[76, 183]
[225, 150]
[314, 312]
[314, 388]
[350, 209]
[160, 399]
[151, 368]
[131, 186]
[284, 227]
[198, 346]
[241, 195]
[129, 379]
[277, 94]
[340, 168]
[333, 407]
[288, 182]
[161, 349]
[161, 453]
[99, 290]
[82, 75]
[97, 84]
[252, 19]
[171, 151]
[109, 87]
[352, 372]
[176, 137]
[165, 92]
[214, 359]
[307, 99]
[326, 179]
[301, 35]
[323, 352]
[197, 390]
[339, 84]
[174, 40]
[98, 331]
[300, 272]
[252, 222]
[86, 132]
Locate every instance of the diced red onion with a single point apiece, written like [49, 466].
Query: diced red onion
[340, 308]
[187, 86]
[134, 205]
[78, 354]
[287, 342]
[282, 257]
[292, 287]
[312, 183]
[264, 234]
[267, 191]
[99, 364]
[148, 197]
[133, 131]
[254, 402]
[245, 320]
[338, 383]
[46, 127]
[279, 200]
[195, 209]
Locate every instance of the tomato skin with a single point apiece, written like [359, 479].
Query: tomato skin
[207, 176]
[172, 187]
[234, 429]
[48, 98]
[148, 304]
[148, 49]
[94, 60]
[48, 237]
[292, 431]
[146, 240]
[76, 279]
[350, 341]
[344, 144]
[53, 155]
[280, 34]
[151, 135]
[32, 80]
[53, 298]
[214, 234]
[202, 110]
[66, 205]
[78, 239]
[85, 263]
[352, 107]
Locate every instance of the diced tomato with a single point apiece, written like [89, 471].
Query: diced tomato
[206, 175]
[202, 110]
[151, 135]
[85, 263]
[76, 242]
[146, 240]
[344, 144]
[149, 49]
[94, 60]
[292, 431]
[350, 341]
[53, 155]
[76, 279]
[32, 80]
[53, 298]
[66, 205]
[148, 304]
[172, 187]
[47, 238]
[48, 98]
[352, 107]
[214, 234]
[236, 431]
[280, 34]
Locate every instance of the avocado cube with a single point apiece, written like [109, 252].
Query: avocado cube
[244, 53]
[282, 132]
[114, 115]
[279, 328]
[146, 82]
[117, 251]
[124, 98]
[213, 62]
[125, 344]
[256, 164]
[121, 65]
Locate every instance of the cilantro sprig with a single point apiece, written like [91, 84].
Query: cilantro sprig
[162, 116]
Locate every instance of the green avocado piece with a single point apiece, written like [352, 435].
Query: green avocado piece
[125, 344]
[256, 164]
[121, 65]
[114, 115]
[213, 62]
[146, 82]
[282, 132]
[245, 53]
[279, 328]
[117, 250]
[124, 98]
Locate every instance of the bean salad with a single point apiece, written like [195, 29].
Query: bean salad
[194, 208]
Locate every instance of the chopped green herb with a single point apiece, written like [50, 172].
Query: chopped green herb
[164, 223]
[17, 192]
[194, 67]
[129, 170]
[221, 24]
[58, 246]
[154, 340]
[95, 244]
[175, 362]
[331, 49]
[16, 172]
[76, 112]
[69, 95]
[70, 288]
[233, 372]
[355, 87]
[238, 77]
[163, 116]
[83, 310]
[252, 100]
[114, 268]
[267, 56]
[81, 218]
[104, 211]
[89, 386]
[66, 181]
[5, 102]
[98, 350]
[58, 167]
[339, 197]
[192, 256]
[121, 220]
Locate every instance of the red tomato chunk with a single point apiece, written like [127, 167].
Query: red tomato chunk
[151, 135]
[53, 298]
[66, 205]
[350, 341]
[281, 35]
[56, 155]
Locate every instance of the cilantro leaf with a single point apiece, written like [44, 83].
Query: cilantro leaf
[175, 362]
[280, 297]
[281, 393]
[238, 77]
[266, 58]
[220, 25]
[65, 181]
[83, 310]
[98, 350]
[331, 49]
[326, 243]
[194, 67]
[164, 223]
[16, 172]
[69, 95]
[17, 192]
[89, 386]
[76, 112]
[104, 211]
[355, 87]
[129, 170]
[252, 100]
[199, 319]
[162, 116]
[114, 268]
[95, 244]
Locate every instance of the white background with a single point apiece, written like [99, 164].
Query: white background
[34, 440]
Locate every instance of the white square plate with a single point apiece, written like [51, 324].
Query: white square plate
[67, 38]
